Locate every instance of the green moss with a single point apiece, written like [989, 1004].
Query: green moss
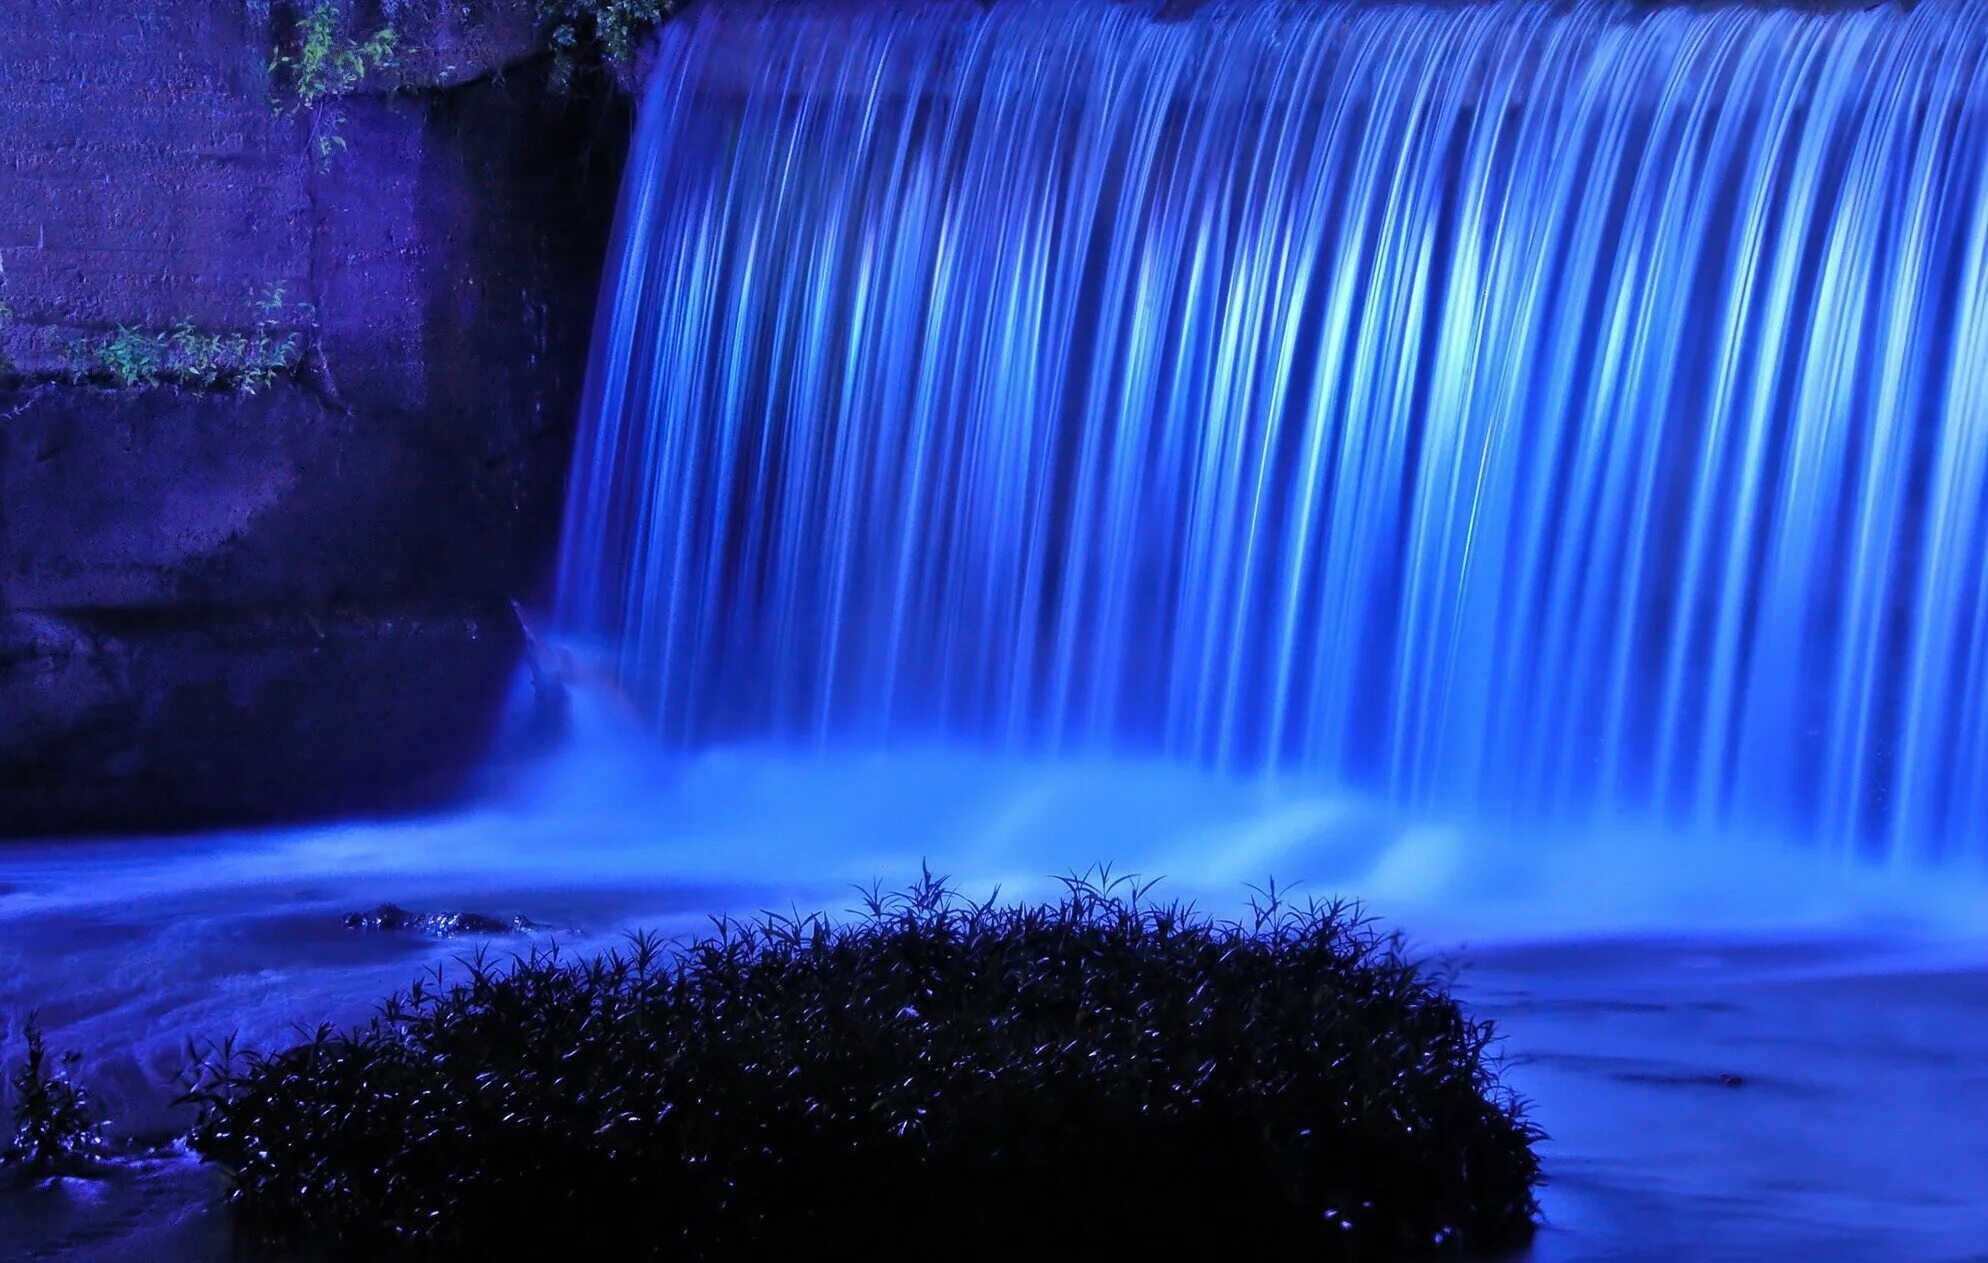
[1101, 1077]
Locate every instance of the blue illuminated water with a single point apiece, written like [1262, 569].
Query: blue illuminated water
[1627, 979]
[1572, 413]
[1478, 458]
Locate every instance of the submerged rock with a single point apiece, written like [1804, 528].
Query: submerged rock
[393, 917]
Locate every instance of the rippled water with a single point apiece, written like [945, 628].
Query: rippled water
[1852, 1008]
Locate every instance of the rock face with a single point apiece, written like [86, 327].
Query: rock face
[225, 607]
[122, 723]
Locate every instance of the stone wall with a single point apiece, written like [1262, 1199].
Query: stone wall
[215, 606]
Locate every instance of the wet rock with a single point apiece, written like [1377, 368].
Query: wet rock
[179, 719]
[392, 917]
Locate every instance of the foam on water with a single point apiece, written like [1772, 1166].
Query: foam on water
[615, 809]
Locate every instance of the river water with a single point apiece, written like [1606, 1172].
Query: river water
[1770, 1059]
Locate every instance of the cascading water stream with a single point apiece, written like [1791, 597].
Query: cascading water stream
[1546, 411]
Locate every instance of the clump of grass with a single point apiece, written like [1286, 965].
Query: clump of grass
[322, 61]
[198, 359]
[1099, 1076]
[588, 34]
[57, 1129]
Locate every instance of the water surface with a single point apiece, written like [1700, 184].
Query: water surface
[1631, 978]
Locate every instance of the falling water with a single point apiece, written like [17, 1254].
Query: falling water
[1570, 411]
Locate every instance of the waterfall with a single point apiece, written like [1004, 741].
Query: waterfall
[1540, 411]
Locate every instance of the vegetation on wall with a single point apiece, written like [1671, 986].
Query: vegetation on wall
[322, 57]
[198, 359]
[322, 60]
[589, 34]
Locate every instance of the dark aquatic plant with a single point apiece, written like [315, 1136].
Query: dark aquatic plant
[1100, 1075]
[57, 1129]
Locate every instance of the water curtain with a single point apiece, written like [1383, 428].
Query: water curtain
[1570, 411]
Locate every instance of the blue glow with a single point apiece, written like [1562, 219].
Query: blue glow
[1573, 413]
